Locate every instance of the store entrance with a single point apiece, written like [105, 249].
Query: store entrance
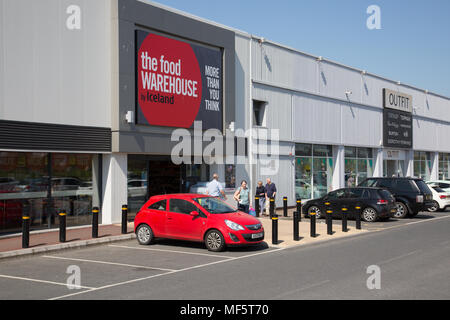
[394, 168]
[156, 175]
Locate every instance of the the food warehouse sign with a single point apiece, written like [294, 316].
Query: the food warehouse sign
[177, 82]
[397, 119]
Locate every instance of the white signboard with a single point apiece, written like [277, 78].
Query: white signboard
[397, 100]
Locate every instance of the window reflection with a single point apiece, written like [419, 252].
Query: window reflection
[24, 189]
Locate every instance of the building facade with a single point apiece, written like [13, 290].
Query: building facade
[96, 98]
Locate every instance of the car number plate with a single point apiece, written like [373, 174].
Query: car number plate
[257, 235]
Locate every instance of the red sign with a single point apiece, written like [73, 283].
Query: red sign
[169, 82]
[177, 82]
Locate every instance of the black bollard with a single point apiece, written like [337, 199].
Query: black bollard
[358, 217]
[299, 209]
[330, 222]
[313, 225]
[344, 219]
[25, 232]
[296, 229]
[272, 207]
[95, 212]
[257, 208]
[124, 218]
[275, 229]
[285, 211]
[62, 226]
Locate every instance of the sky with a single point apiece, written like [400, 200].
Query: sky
[412, 46]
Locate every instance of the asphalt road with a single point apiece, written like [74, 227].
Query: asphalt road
[413, 257]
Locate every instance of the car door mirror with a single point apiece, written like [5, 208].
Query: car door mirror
[195, 213]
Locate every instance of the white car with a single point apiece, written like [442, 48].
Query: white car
[443, 184]
[137, 188]
[441, 198]
[199, 188]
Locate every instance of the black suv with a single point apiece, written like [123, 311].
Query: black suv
[376, 204]
[412, 195]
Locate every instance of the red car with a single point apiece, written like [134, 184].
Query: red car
[196, 217]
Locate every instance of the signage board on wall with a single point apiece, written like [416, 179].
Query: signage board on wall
[177, 82]
[397, 120]
[397, 100]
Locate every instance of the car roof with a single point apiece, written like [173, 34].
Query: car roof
[178, 195]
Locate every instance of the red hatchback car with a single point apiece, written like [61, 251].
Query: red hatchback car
[196, 217]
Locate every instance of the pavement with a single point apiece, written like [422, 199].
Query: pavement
[47, 241]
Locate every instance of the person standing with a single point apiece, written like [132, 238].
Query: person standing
[270, 192]
[261, 194]
[242, 196]
[214, 187]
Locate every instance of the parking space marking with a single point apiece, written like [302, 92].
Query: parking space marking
[172, 251]
[410, 223]
[41, 281]
[166, 273]
[301, 289]
[107, 262]
[399, 257]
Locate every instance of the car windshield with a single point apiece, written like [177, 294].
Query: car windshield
[214, 205]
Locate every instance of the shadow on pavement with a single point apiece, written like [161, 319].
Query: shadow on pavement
[200, 245]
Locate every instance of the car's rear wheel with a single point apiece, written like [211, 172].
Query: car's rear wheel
[144, 234]
[316, 210]
[402, 210]
[369, 215]
[435, 207]
[214, 241]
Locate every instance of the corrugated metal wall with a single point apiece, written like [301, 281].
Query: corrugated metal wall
[49, 73]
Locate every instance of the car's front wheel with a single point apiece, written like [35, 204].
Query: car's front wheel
[402, 210]
[369, 215]
[144, 234]
[214, 241]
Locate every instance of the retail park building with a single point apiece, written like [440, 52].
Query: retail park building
[91, 93]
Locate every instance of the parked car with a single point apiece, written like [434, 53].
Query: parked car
[375, 203]
[441, 198]
[443, 184]
[199, 187]
[196, 217]
[65, 184]
[137, 188]
[412, 195]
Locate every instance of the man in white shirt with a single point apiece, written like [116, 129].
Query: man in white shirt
[214, 188]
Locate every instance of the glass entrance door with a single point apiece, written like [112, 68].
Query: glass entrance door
[394, 168]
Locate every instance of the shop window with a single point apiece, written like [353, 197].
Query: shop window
[422, 165]
[39, 185]
[444, 166]
[313, 170]
[358, 165]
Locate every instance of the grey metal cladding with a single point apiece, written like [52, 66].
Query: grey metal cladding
[53, 137]
[134, 15]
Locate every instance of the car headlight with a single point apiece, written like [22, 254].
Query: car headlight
[233, 225]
